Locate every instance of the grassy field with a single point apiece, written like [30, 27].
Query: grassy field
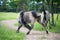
[7, 33]
[7, 15]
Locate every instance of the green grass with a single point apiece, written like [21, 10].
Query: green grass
[9, 34]
[56, 28]
[7, 15]
[37, 26]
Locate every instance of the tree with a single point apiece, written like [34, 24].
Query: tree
[22, 5]
[52, 14]
[4, 4]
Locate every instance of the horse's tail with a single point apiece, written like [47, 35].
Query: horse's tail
[34, 14]
[23, 21]
[22, 17]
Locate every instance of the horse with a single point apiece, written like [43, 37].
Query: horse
[30, 17]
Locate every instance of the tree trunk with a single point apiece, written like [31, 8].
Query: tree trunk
[57, 17]
[57, 13]
[52, 13]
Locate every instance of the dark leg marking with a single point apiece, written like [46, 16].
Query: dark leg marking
[27, 26]
[30, 29]
[46, 32]
[18, 28]
[45, 28]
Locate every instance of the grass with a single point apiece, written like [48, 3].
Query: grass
[9, 34]
[7, 15]
[37, 26]
[56, 28]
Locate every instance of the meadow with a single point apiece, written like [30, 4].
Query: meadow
[7, 15]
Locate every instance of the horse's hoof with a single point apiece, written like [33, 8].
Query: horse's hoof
[47, 32]
[28, 33]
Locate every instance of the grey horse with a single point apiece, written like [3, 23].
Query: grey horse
[30, 17]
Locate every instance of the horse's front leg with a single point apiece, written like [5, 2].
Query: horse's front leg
[44, 25]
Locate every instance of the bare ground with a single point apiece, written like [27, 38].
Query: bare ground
[34, 35]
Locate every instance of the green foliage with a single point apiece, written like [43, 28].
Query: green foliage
[17, 5]
[11, 6]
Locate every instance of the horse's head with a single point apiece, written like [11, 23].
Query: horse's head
[39, 18]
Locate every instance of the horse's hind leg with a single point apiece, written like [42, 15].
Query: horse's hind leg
[19, 26]
[30, 29]
[27, 26]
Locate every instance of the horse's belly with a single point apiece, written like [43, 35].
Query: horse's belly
[27, 19]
